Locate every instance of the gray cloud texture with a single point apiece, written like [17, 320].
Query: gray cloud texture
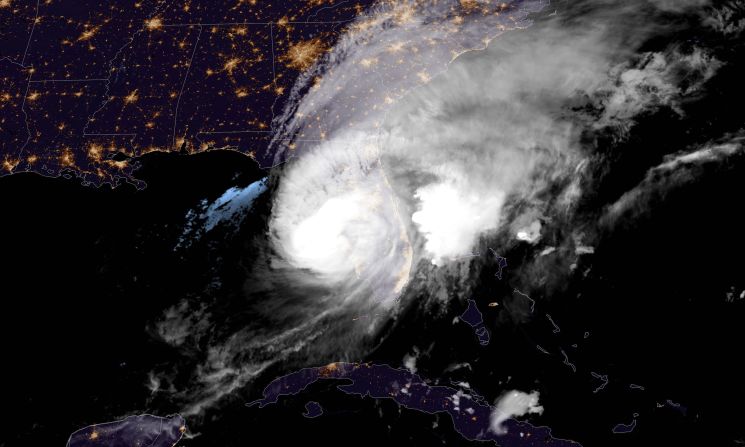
[393, 184]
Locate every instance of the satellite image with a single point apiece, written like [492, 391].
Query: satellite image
[373, 222]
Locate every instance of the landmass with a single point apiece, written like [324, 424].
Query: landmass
[603, 381]
[567, 362]
[501, 263]
[556, 329]
[530, 300]
[88, 87]
[142, 430]
[626, 428]
[474, 318]
[313, 410]
[675, 406]
[469, 412]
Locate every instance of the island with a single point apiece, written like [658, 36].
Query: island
[474, 318]
[469, 412]
[313, 410]
[501, 263]
[626, 428]
[141, 430]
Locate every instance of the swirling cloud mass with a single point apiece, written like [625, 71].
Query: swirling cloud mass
[347, 208]
[401, 153]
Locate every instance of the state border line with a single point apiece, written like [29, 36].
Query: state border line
[274, 22]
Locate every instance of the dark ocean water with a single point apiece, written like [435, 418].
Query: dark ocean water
[87, 270]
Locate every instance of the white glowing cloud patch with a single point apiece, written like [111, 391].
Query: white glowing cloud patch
[410, 363]
[436, 170]
[327, 239]
[364, 75]
[336, 216]
[531, 233]
[337, 210]
[511, 404]
[451, 218]
[656, 81]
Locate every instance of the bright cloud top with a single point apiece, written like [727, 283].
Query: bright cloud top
[387, 168]
[336, 215]
[450, 218]
[513, 404]
[340, 211]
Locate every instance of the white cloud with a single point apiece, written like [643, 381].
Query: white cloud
[390, 49]
[513, 404]
[712, 152]
[451, 218]
[584, 250]
[547, 251]
[336, 215]
[386, 176]
[381, 182]
[676, 170]
[729, 19]
[657, 79]
[340, 211]
[679, 5]
[410, 363]
[182, 322]
[530, 233]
